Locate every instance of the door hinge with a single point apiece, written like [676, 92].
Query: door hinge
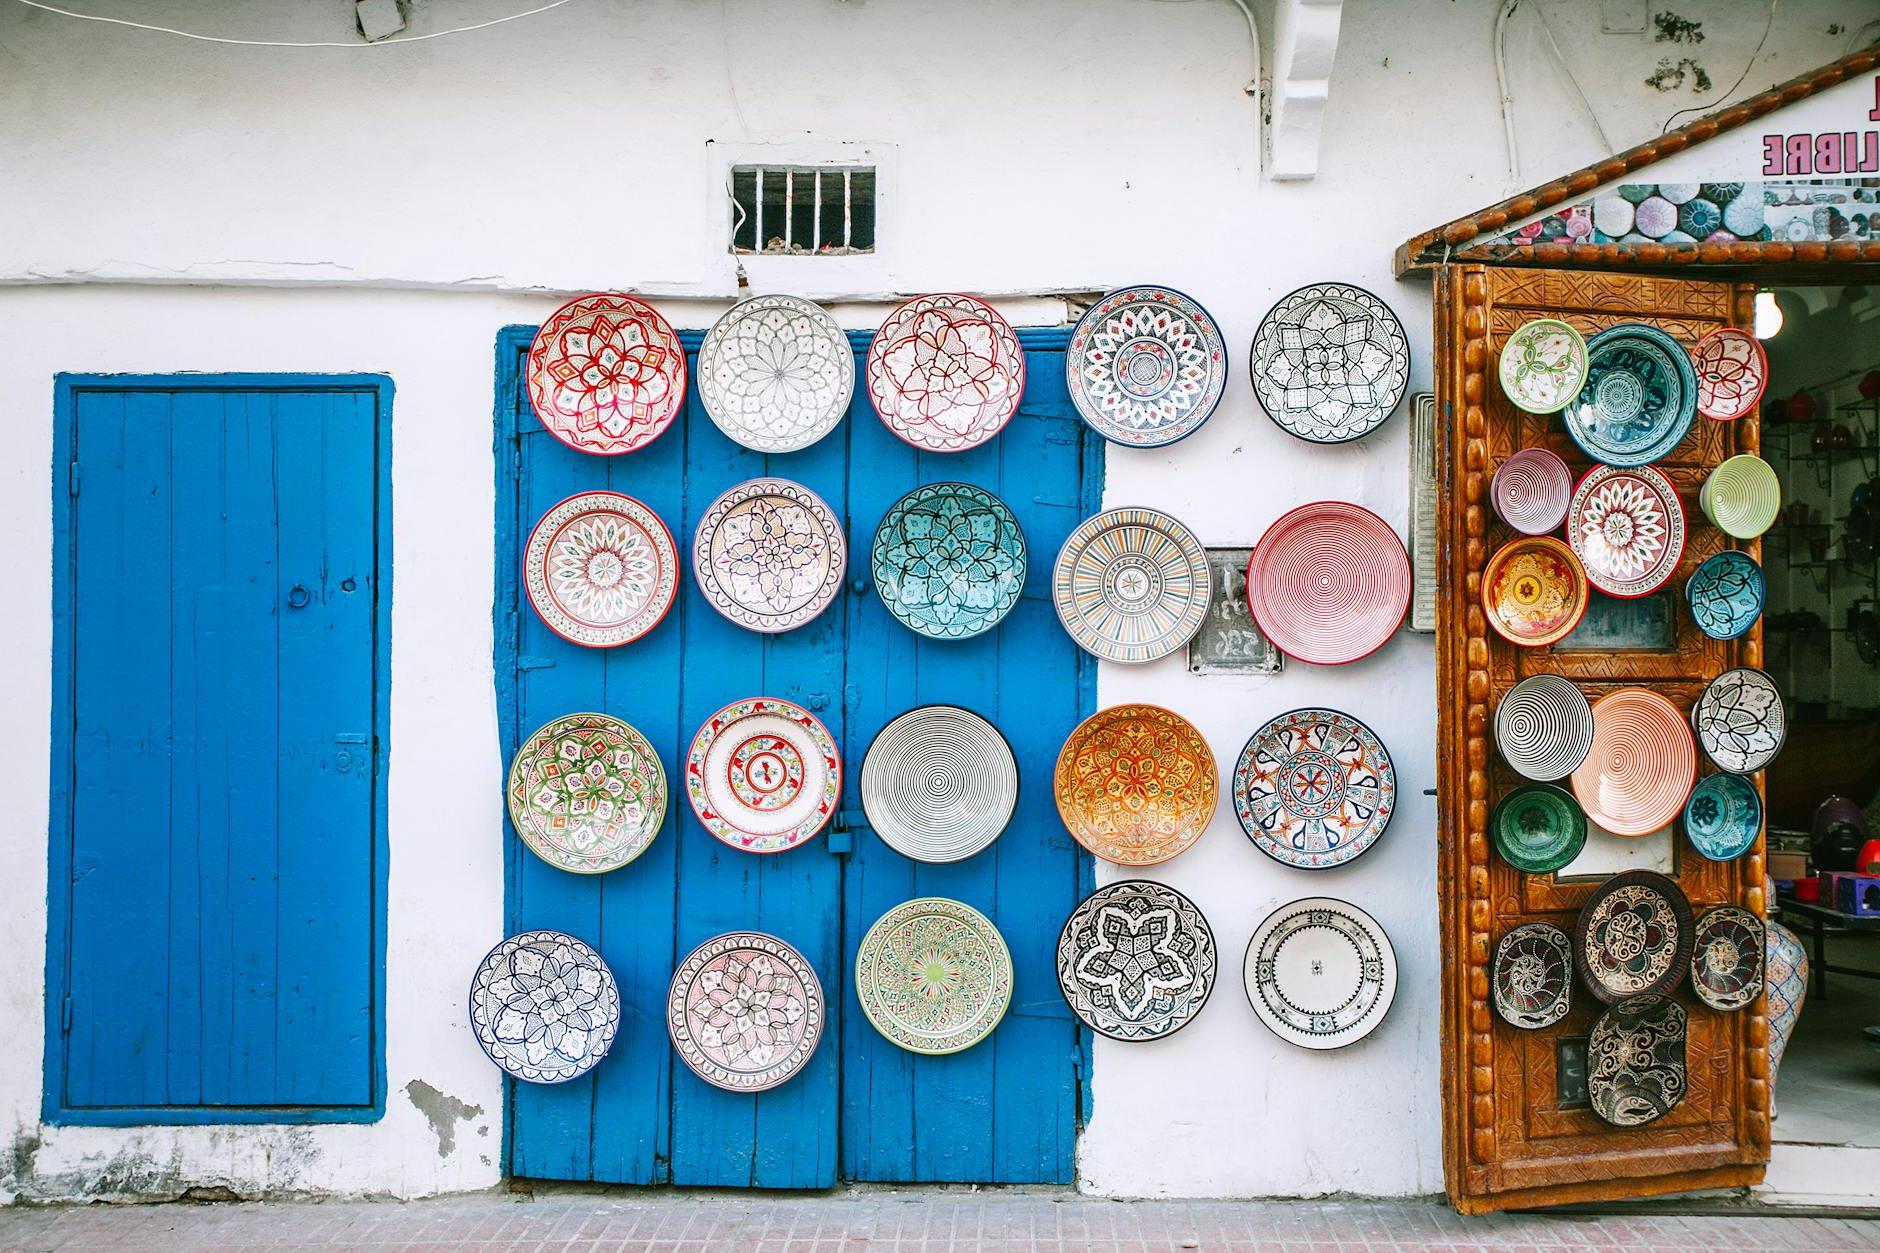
[71, 478]
[534, 663]
[65, 1016]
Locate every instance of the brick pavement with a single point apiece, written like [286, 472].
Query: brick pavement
[890, 1221]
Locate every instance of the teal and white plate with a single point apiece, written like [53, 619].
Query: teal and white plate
[1723, 817]
[949, 560]
[1639, 398]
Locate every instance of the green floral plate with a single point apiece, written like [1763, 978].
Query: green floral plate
[587, 793]
[1539, 828]
[949, 560]
[1543, 365]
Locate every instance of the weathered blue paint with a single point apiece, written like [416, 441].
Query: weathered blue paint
[1006, 1111]
[221, 682]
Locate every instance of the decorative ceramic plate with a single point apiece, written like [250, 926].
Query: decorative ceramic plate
[1727, 958]
[939, 783]
[1740, 721]
[1641, 765]
[1136, 960]
[769, 555]
[933, 975]
[1742, 496]
[1732, 371]
[1633, 936]
[945, 372]
[1329, 583]
[1627, 529]
[1320, 973]
[1131, 585]
[1726, 594]
[745, 1011]
[1136, 784]
[1543, 365]
[544, 1007]
[587, 793]
[1314, 788]
[1544, 727]
[949, 560]
[1330, 363]
[1538, 828]
[1635, 1067]
[776, 373]
[1639, 399]
[1531, 491]
[1532, 976]
[1534, 591]
[601, 569]
[606, 374]
[1145, 366]
[763, 775]
[1723, 817]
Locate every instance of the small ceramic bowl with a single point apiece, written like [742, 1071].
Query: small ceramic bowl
[1732, 370]
[1723, 817]
[1539, 828]
[1531, 491]
[1543, 365]
[1726, 594]
[1534, 591]
[1742, 496]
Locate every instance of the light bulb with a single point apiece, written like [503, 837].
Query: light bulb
[1768, 315]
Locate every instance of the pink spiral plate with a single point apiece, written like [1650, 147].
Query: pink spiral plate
[1530, 491]
[1643, 762]
[1329, 583]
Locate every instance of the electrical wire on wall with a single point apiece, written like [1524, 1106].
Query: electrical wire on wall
[1769, 24]
[280, 43]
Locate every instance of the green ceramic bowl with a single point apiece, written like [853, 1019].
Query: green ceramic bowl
[1539, 828]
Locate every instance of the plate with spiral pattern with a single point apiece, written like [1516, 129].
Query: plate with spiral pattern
[1640, 767]
[1742, 496]
[745, 1011]
[606, 374]
[1740, 720]
[763, 775]
[1727, 958]
[939, 784]
[945, 372]
[1314, 788]
[1146, 366]
[1136, 960]
[1329, 583]
[1531, 491]
[1633, 936]
[1532, 976]
[587, 793]
[1131, 585]
[600, 569]
[1544, 727]
[775, 373]
[933, 976]
[1627, 529]
[1320, 973]
[1136, 784]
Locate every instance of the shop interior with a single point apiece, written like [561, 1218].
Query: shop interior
[1821, 433]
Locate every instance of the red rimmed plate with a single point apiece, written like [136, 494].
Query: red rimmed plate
[1329, 583]
[606, 374]
[1627, 528]
[945, 372]
[1639, 772]
[763, 775]
[1732, 370]
[600, 569]
[1531, 491]
[1534, 591]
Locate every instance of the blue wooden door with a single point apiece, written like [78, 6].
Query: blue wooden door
[215, 936]
[1005, 1111]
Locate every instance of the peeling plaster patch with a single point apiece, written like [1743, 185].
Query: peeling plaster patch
[1669, 76]
[442, 1111]
[1677, 30]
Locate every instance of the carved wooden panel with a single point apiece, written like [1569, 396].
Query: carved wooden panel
[1507, 1141]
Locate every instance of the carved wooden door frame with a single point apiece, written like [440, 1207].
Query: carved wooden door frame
[1506, 1141]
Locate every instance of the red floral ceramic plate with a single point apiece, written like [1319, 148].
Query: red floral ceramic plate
[1534, 591]
[1643, 761]
[600, 569]
[1136, 784]
[1732, 371]
[763, 775]
[945, 372]
[1329, 583]
[1627, 529]
[606, 374]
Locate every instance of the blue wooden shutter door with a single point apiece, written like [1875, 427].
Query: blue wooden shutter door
[1006, 1111]
[215, 874]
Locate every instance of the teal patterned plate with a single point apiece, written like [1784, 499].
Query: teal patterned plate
[1723, 817]
[1639, 399]
[949, 560]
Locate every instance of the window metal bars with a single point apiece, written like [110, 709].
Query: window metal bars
[787, 238]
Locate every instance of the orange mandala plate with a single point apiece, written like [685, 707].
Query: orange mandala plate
[1639, 772]
[1136, 784]
[1534, 591]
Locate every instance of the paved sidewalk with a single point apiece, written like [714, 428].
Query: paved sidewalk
[888, 1222]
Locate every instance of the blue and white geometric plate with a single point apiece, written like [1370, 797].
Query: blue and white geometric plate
[1146, 366]
[1640, 396]
[544, 1006]
[949, 560]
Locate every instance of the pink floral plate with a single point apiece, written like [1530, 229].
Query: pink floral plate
[745, 1011]
[769, 554]
[600, 568]
[1627, 528]
[1329, 583]
[945, 372]
[763, 775]
[606, 374]
[1732, 370]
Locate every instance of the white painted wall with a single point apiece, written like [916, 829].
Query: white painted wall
[1044, 146]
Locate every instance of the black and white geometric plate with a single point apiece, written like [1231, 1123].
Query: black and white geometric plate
[1330, 363]
[1136, 960]
[1320, 973]
[1740, 720]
